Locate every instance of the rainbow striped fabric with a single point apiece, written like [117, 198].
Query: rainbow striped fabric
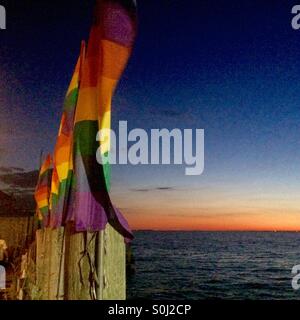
[77, 188]
[109, 48]
[62, 160]
[42, 191]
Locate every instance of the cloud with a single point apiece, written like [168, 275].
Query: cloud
[11, 169]
[19, 185]
[153, 189]
[17, 169]
[203, 216]
[18, 191]
[26, 180]
[122, 209]
[16, 205]
[172, 114]
[168, 113]
[5, 170]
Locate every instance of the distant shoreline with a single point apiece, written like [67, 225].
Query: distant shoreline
[221, 231]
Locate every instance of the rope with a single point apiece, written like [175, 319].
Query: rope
[93, 278]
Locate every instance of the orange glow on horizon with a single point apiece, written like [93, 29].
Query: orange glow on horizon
[207, 211]
[284, 222]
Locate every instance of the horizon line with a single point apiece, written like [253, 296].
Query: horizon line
[203, 230]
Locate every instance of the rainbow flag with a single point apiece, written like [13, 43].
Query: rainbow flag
[109, 48]
[62, 160]
[42, 191]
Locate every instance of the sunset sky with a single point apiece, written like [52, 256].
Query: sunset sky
[229, 67]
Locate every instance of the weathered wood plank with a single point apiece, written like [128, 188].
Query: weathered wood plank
[114, 265]
[40, 263]
[66, 265]
[79, 264]
[55, 251]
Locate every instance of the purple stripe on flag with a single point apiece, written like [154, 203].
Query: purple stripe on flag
[118, 25]
[56, 219]
[89, 215]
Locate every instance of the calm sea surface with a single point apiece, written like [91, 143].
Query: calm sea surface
[214, 265]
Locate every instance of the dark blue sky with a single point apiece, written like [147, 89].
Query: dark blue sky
[229, 67]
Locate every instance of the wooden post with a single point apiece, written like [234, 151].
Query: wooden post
[111, 265]
[49, 254]
[79, 264]
[106, 252]
[68, 264]
[40, 258]
[114, 265]
[55, 250]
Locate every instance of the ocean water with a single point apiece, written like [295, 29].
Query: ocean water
[214, 265]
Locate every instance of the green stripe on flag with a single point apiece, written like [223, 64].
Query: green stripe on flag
[71, 100]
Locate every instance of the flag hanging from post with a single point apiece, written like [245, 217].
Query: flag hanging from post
[109, 48]
[42, 191]
[62, 160]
